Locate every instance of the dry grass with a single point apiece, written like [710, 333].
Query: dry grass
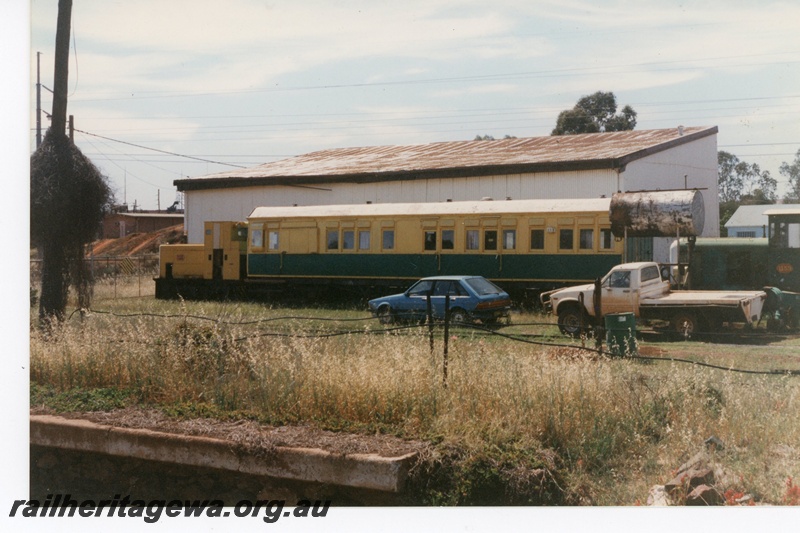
[618, 426]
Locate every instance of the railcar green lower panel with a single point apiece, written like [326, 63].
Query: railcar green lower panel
[566, 267]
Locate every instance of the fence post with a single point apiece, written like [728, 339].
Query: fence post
[430, 318]
[446, 338]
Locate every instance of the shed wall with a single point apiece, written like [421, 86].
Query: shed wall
[236, 204]
[692, 165]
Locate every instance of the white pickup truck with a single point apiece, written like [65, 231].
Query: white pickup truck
[638, 288]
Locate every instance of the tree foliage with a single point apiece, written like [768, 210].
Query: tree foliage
[792, 171]
[744, 182]
[69, 197]
[595, 113]
[491, 137]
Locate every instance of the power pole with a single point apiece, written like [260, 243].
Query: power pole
[72, 128]
[61, 74]
[38, 101]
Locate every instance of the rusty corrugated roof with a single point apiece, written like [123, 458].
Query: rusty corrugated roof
[457, 158]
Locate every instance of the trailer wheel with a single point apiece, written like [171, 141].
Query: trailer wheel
[684, 324]
[570, 320]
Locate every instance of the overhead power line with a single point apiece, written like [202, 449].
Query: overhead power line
[160, 151]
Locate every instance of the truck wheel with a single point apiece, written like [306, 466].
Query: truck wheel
[569, 322]
[684, 324]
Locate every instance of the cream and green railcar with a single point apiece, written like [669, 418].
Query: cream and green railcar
[524, 245]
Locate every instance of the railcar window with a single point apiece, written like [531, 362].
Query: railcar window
[448, 239]
[273, 240]
[606, 239]
[537, 239]
[509, 239]
[566, 239]
[363, 240]
[333, 239]
[472, 240]
[388, 239]
[256, 238]
[490, 239]
[348, 240]
[430, 240]
[586, 239]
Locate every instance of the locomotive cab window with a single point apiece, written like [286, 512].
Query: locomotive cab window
[256, 236]
[784, 233]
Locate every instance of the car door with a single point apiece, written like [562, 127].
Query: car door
[441, 289]
[617, 296]
[415, 304]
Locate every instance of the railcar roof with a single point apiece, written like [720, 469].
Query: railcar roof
[478, 207]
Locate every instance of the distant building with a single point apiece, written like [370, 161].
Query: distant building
[116, 225]
[552, 167]
[750, 220]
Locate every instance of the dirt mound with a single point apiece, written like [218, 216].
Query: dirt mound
[138, 243]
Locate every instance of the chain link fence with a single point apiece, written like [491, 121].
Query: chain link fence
[114, 276]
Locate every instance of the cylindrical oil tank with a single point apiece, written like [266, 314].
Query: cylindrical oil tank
[657, 213]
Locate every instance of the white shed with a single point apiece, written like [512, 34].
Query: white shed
[751, 220]
[553, 167]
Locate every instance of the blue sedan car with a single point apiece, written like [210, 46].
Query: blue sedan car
[471, 298]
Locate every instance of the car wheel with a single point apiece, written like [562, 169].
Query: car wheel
[385, 315]
[570, 321]
[458, 316]
[685, 324]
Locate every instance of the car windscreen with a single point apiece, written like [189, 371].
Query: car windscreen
[483, 286]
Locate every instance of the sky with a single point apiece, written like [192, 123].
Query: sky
[167, 89]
